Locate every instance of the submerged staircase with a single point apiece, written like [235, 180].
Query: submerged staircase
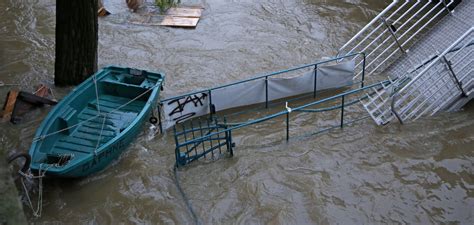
[426, 48]
[441, 82]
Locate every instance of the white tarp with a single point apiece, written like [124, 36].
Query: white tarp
[253, 92]
[243, 94]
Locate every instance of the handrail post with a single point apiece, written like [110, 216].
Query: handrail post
[287, 126]
[315, 80]
[363, 70]
[266, 92]
[451, 71]
[446, 7]
[176, 151]
[392, 33]
[392, 108]
[342, 111]
[159, 117]
[211, 107]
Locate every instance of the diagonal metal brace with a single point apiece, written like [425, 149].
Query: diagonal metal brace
[392, 108]
[392, 31]
[451, 71]
[445, 5]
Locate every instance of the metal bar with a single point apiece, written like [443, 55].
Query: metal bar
[392, 108]
[193, 158]
[393, 35]
[202, 143]
[458, 83]
[210, 141]
[266, 92]
[211, 111]
[287, 126]
[218, 137]
[185, 138]
[342, 111]
[315, 80]
[329, 108]
[198, 142]
[446, 7]
[159, 118]
[363, 71]
[176, 150]
[226, 135]
[231, 144]
[194, 137]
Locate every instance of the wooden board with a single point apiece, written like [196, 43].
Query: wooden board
[184, 12]
[175, 21]
[9, 105]
[174, 17]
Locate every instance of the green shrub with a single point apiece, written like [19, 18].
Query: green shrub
[166, 4]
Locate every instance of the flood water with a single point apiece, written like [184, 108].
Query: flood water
[418, 173]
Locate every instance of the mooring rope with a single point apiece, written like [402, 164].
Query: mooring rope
[185, 198]
[41, 173]
[96, 94]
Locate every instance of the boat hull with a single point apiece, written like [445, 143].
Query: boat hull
[93, 125]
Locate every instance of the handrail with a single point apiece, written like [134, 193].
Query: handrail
[440, 56]
[284, 112]
[369, 24]
[263, 76]
[407, 18]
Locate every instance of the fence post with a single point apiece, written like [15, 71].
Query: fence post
[266, 92]
[315, 80]
[159, 117]
[287, 126]
[363, 70]
[211, 107]
[342, 111]
[177, 149]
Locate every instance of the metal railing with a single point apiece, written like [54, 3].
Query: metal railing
[188, 139]
[446, 78]
[312, 66]
[392, 32]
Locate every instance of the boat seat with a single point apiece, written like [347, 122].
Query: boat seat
[110, 81]
[67, 118]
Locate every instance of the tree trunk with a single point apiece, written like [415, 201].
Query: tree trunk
[76, 41]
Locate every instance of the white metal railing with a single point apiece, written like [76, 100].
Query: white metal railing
[449, 76]
[393, 31]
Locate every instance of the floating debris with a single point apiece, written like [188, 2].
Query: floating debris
[20, 102]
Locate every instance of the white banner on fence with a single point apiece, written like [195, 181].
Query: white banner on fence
[253, 92]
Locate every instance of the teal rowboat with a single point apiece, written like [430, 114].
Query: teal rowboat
[93, 125]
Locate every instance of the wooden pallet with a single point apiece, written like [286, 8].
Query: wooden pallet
[174, 17]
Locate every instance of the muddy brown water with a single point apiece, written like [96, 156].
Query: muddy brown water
[419, 173]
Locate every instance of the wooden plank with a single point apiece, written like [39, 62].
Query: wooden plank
[42, 91]
[174, 21]
[184, 12]
[9, 105]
